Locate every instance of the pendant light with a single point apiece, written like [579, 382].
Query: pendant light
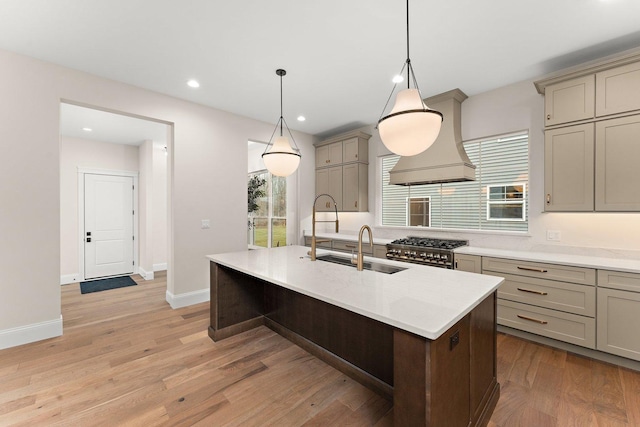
[411, 127]
[279, 157]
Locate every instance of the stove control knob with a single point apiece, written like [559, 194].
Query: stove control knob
[437, 256]
[407, 253]
[413, 254]
[429, 255]
[423, 255]
[444, 257]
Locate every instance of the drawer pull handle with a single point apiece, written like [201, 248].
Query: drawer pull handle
[537, 270]
[350, 246]
[542, 322]
[532, 292]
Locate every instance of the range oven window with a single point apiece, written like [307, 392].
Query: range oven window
[502, 167]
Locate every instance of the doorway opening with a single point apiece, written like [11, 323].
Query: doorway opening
[114, 198]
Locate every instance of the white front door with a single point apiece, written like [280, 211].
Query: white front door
[108, 225]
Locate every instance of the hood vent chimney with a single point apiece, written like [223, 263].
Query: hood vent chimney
[445, 160]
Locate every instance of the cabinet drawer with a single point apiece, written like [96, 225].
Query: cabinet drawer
[583, 276]
[568, 297]
[619, 280]
[320, 242]
[554, 324]
[348, 246]
[619, 323]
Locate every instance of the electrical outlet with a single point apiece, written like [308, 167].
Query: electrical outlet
[205, 224]
[553, 235]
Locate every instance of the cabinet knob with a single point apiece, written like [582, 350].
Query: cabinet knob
[326, 205]
[327, 161]
[356, 156]
[548, 116]
[548, 198]
[356, 204]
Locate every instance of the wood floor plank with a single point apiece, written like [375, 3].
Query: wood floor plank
[126, 358]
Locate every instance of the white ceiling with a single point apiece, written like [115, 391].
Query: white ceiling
[340, 55]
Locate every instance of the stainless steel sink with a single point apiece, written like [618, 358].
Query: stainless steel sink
[368, 265]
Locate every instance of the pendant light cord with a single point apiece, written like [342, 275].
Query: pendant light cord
[408, 60]
[281, 117]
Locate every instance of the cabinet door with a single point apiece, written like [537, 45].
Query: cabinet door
[570, 101]
[322, 155]
[619, 323]
[470, 263]
[335, 187]
[618, 164]
[569, 169]
[355, 150]
[329, 155]
[322, 187]
[355, 187]
[618, 90]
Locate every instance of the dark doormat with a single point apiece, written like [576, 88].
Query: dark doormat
[106, 284]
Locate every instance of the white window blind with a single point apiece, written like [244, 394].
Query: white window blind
[463, 205]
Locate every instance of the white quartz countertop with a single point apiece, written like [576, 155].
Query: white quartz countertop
[423, 300]
[600, 259]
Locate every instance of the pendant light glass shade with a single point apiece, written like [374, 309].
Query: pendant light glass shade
[280, 158]
[411, 127]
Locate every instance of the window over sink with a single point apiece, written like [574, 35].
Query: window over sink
[496, 200]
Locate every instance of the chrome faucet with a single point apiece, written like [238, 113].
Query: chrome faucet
[359, 261]
[315, 241]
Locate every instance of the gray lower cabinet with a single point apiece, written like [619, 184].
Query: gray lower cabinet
[551, 300]
[619, 313]
[470, 263]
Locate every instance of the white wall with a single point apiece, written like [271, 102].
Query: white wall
[159, 206]
[83, 153]
[207, 168]
[504, 110]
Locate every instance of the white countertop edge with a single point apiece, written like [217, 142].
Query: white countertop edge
[601, 263]
[431, 334]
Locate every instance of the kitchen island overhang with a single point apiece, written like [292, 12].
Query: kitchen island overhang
[423, 331]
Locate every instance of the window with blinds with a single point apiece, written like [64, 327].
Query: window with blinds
[496, 200]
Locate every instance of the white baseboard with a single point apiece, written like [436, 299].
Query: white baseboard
[146, 275]
[160, 267]
[190, 298]
[65, 279]
[30, 333]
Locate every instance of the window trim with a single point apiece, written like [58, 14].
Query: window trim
[523, 201]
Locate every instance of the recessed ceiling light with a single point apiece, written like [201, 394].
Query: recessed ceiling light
[301, 118]
[87, 129]
[397, 79]
[193, 83]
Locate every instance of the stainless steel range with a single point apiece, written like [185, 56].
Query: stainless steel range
[424, 250]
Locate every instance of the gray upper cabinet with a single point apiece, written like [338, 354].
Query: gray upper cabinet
[618, 90]
[329, 155]
[618, 164]
[570, 101]
[592, 148]
[568, 169]
[342, 171]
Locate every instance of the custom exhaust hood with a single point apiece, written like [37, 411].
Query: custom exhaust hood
[446, 160]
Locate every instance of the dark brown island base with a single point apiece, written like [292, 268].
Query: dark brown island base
[448, 381]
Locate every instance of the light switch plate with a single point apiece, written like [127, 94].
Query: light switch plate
[205, 224]
[553, 235]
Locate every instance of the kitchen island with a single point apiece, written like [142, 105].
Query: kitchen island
[424, 336]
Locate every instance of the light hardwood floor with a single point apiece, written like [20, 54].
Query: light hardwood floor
[127, 358]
